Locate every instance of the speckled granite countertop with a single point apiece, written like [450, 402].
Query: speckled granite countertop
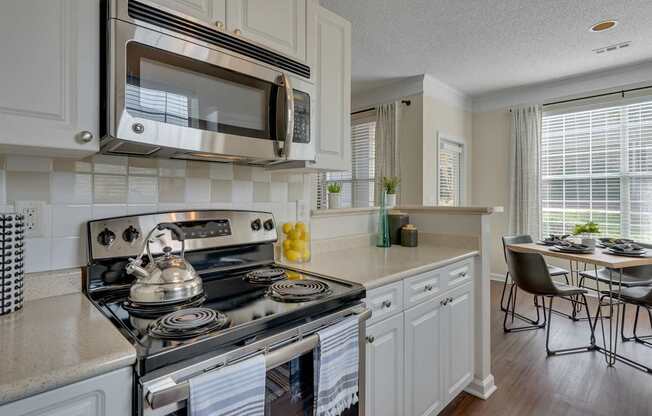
[374, 267]
[56, 341]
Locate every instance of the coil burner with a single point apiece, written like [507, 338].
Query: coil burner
[298, 290]
[266, 276]
[188, 323]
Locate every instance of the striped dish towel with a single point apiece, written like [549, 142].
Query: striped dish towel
[337, 368]
[235, 390]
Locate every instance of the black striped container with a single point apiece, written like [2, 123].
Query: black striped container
[12, 249]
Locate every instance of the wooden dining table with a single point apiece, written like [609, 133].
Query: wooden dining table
[615, 264]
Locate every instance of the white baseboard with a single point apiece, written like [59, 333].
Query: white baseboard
[482, 389]
[499, 277]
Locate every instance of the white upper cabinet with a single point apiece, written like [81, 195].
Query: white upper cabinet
[281, 25]
[384, 368]
[210, 12]
[50, 77]
[333, 81]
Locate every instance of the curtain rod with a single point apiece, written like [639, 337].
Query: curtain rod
[406, 102]
[621, 92]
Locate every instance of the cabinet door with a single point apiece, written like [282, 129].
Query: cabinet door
[384, 368]
[106, 394]
[210, 12]
[50, 77]
[423, 357]
[459, 341]
[333, 79]
[277, 24]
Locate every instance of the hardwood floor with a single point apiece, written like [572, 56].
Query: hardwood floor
[529, 383]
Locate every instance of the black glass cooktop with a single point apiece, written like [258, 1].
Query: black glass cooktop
[249, 307]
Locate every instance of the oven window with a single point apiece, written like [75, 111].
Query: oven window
[165, 87]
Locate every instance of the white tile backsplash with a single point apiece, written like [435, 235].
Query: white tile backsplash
[71, 188]
[68, 220]
[111, 186]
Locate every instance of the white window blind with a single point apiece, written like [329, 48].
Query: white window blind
[596, 165]
[358, 183]
[451, 156]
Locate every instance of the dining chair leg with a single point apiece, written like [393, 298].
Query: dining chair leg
[512, 305]
[502, 297]
[641, 339]
[573, 350]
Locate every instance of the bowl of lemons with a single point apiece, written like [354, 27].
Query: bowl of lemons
[296, 242]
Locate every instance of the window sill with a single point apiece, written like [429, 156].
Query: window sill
[338, 212]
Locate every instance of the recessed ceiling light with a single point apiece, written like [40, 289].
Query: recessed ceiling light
[604, 25]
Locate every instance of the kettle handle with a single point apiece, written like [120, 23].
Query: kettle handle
[176, 230]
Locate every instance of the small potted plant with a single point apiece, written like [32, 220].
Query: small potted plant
[586, 231]
[390, 183]
[334, 200]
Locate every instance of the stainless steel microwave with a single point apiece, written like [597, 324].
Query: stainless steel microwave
[177, 88]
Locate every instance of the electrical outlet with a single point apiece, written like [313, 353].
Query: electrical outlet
[35, 221]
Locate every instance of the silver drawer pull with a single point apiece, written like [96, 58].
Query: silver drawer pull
[428, 288]
[462, 274]
[387, 304]
[371, 339]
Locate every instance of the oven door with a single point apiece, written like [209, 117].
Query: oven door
[169, 97]
[289, 387]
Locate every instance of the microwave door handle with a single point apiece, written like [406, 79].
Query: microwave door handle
[289, 115]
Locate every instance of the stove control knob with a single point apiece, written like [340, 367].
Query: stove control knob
[256, 224]
[268, 225]
[106, 237]
[131, 234]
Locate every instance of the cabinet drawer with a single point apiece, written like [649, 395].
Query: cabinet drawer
[422, 287]
[385, 301]
[459, 273]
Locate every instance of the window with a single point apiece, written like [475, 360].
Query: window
[450, 162]
[596, 165]
[358, 183]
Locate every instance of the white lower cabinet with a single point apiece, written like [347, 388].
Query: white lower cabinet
[103, 395]
[420, 358]
[458, 342]
[384, 368]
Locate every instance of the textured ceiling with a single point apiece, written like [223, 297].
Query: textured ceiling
[481, 46]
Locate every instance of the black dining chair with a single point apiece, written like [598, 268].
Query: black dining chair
[554, 271]
[633, 277]
[530, 273]
[641, 297]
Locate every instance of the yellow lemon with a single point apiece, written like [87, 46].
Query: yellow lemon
[306, 254]
[305, 236]
[287, 245]
[287, 227]
[293, 255]
[300, 227]
[294, 276]
[298, 245]
[294, 235]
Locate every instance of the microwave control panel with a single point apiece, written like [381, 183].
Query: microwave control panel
[301, 117]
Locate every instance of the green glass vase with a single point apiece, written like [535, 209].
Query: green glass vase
[382, 239]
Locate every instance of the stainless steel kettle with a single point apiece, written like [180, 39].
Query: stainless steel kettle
[165, 279]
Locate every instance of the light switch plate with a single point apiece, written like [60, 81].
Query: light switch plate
[35, 217]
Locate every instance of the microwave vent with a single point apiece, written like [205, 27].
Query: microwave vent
[160, 18]
[134, 149]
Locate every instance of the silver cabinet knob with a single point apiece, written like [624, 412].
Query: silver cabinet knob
[462, 274]
[387, 303]
[219, 24]
[428, 287]
[371, 339]
[84, 136]
[449, 300]
[443, 302]
[237, 32]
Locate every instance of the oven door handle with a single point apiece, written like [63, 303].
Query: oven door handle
[167, 391]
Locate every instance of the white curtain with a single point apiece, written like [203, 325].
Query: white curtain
[525, 202]
[387, 158]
